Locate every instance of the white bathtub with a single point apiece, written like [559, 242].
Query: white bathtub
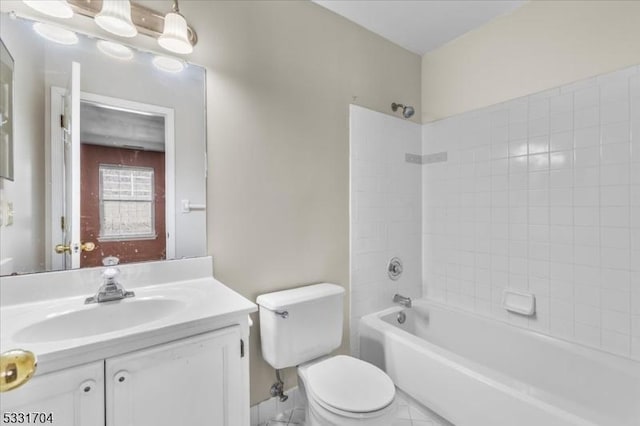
[475, 371]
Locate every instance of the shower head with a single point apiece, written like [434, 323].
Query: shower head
[407, 111]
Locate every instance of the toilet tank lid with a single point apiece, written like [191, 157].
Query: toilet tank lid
[286, 298]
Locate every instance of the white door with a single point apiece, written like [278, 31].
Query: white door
[71, 135]
[71, 397]
[196, 381]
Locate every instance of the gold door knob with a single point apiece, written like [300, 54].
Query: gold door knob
[17, 366]
[88, 246]
[61, 248]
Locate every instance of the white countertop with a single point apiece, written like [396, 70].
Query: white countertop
[205, 304]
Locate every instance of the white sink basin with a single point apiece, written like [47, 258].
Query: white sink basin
[99, 318]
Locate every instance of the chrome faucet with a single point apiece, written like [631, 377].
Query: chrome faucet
[111, 289]
[404, 301]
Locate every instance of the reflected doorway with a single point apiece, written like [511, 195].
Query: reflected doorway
[126, 175]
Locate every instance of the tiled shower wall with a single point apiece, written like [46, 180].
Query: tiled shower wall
[385, 211]
[541, 194]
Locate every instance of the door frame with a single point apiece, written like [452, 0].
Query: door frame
[55, 185]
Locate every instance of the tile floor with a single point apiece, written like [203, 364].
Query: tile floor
[410, 413]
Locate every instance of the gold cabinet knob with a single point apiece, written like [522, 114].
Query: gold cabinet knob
[17, 366]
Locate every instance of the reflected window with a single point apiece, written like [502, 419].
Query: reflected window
[126, 202]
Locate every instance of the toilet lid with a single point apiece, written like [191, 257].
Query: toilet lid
[350, 384]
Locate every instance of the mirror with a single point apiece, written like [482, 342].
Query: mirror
[109, 156]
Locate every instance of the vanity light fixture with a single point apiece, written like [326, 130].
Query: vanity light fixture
[115, 17]
[127, 19]
[55, 8]
[175, 37]
[168, 64]
[56, 34]
[115, 50]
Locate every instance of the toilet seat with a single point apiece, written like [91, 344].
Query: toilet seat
[349, 386]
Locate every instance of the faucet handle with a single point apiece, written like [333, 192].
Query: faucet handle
[110, 274]
[110, 261]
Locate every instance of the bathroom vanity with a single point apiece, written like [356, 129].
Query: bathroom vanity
[175, 353]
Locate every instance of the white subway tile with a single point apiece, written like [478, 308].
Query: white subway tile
[560, 197]
[586, 137]
[586, 275]
[561, 234]
[615, 237]
[560, 103]
[614, 300]
[586, 255]
[616, 153]
[518, 131]
[614, 174]
[540, 193]
[614, 216]
[587, 315]
[614, 112]
[586, 216]
[586, 157]
[541, 126]
[616, 321]
[561, 141]
[587, 235]
[588, 295]
[587, 334]
[538, 162]
[615, 258]
[587, 117]
[616, 132]
[616, 342]
[587, 196]
[561, 160]
[614, 90]
[587, 176]
[617, 195]
[586, 97]
[538, 145]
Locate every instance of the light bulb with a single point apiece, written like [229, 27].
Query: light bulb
[175, 37]
[115, 17]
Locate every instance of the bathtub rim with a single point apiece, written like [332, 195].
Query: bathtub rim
[622, 363]
[502, 382]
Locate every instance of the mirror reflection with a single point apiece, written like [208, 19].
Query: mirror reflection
[108, 148]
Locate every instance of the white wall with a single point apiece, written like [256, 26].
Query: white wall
[280, 78]
[542, 44]
[385, 211]
[542, 194]
[22, 244]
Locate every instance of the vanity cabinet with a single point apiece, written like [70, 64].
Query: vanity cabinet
[195, 381]
[70, 397]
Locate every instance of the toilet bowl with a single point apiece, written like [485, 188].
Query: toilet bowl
[301, 327]
[345, 391]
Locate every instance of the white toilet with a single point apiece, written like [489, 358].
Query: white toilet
[300, 327]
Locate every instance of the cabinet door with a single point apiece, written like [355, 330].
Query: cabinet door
[74, 397]
[196, 381]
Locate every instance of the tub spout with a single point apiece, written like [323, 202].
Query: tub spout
[404, 301]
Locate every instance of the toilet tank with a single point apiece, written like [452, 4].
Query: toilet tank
[300, 324]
